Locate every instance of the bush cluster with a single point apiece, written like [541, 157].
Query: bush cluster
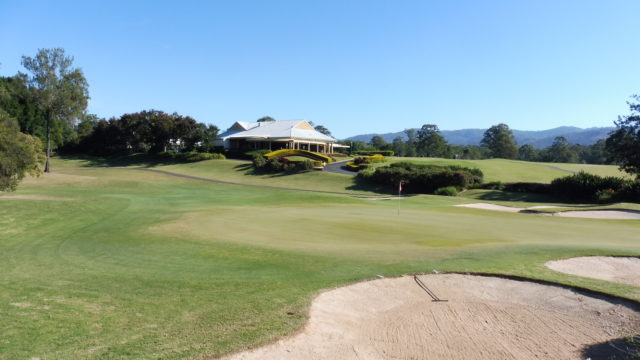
[588, 187]
[191, 156]
[423, 178]
[360, 163]
[261, 163]
[446, 191]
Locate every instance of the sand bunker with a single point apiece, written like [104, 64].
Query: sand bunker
[589, 214]
[601, 214]
[485, 318]
[624, 270]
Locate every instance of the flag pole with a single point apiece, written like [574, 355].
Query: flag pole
[399, 191]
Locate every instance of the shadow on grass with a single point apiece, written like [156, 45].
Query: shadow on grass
[498, 195]
[137, 160]
[363, 185]
[358, 184]
[621, 348]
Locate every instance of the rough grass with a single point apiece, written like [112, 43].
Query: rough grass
[124, 264]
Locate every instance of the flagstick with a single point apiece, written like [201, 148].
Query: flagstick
[399, 190]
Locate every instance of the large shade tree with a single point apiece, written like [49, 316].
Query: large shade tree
[623, 144]
[59, 90]
[430, 142]
[500, 141]
[20, 154]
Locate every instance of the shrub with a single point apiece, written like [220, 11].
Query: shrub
[259, 161]
[629, 192]
[305, 165]
[446, 191]
[351, 166]
[585, 186]
[376, 158]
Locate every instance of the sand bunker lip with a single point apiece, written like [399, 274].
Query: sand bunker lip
[625, 270]
[485, 318]
[587, 214]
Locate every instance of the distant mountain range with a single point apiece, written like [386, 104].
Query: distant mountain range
[538, 139]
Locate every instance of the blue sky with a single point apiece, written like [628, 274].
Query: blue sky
[354, 66]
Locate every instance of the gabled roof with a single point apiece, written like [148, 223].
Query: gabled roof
[288, 129]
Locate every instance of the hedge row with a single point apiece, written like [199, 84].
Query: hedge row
[423, 178]
[581, 186]
[260, 163]
[374, 152]
[191, 156]
[293, 152]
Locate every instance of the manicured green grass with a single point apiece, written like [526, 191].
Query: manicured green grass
[242, 172]
[126, 264]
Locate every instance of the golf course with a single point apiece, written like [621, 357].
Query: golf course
[120, 261]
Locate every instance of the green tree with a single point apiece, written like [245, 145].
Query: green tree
[20, 154]
[378, 142]
[210, 135]
[527, 152]
[323, 130]
[266, 118]
[500, 141]
[430, 142]
[623, 144]
[560, 151]
[596, 153]
[59, 90]
[398, 145]
[410, 146]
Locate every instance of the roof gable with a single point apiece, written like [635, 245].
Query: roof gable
[286, 129]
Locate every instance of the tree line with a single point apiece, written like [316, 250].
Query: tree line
[498, 142]
[46, 108]
[49, 102]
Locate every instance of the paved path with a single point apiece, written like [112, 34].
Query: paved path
[337, 167]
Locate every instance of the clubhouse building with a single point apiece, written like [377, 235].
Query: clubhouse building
[276, 135]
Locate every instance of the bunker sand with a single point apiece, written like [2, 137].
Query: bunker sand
[484, 318]
[625, 270]
[587, 214]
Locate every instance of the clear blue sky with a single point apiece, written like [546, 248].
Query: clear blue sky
[353, 66]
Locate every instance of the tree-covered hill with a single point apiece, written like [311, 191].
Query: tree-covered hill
[538, 139]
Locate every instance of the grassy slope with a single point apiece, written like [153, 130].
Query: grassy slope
[129, 264]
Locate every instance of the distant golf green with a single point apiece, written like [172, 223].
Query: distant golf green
[106, 263]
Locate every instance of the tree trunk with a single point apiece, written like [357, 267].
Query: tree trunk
[47, 166]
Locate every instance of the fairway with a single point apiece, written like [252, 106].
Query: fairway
[104, 263]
